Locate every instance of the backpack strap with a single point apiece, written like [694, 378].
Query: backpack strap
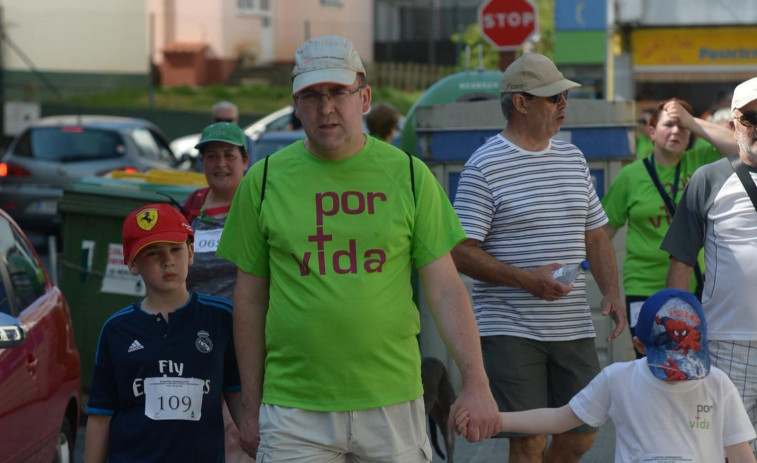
[193, 203]
[412, 175]
[743, 174]
[265, 176]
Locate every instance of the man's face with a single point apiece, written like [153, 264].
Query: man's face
[332, 117]
[545, 116]
[745, 132]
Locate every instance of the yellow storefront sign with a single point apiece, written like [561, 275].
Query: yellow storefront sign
[695, 46]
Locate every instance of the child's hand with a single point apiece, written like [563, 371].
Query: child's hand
[461, 419]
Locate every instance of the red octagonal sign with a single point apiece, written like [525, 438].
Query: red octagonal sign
[507, 24]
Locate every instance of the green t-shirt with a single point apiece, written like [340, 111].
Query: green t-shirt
[338, 240]
[633, 198]
[644, 146]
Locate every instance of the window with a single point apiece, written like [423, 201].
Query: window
[151, 147]
[24, 273]
[75, 144]
[253, 6]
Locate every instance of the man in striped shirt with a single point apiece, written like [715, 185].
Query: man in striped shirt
[528, 206]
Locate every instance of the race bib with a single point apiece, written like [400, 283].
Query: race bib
[173, 398]
[207, 240]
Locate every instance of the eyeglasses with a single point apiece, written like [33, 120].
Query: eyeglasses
[218, 119]
[335, 95]
[554, 99]
[748, 119]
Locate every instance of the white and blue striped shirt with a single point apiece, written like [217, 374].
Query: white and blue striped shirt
[529, 208]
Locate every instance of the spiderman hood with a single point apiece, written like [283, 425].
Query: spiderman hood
[673, 329]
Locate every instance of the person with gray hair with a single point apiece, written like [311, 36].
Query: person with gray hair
[325, 234]
[528, 207]
[718, 212]
[224, 111]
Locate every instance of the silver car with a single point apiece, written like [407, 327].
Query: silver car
[56, 151]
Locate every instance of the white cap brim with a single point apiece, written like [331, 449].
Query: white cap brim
[323, 76]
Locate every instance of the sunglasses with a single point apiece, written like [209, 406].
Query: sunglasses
[218, 119]
[554, 99]
[748, 119]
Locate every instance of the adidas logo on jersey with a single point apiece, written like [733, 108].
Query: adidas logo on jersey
[135, 346]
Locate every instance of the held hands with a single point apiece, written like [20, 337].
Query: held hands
[481, 412]
[539, 282]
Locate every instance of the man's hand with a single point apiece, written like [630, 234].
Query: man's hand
[540, 282]
[249, 432]
[482, 415]
[611, 306]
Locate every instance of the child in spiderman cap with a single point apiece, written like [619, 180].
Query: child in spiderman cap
[162, 363]
[669, 406]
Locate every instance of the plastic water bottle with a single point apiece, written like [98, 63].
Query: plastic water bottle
[568, 274]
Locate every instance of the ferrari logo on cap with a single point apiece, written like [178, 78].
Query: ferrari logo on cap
[147, 218]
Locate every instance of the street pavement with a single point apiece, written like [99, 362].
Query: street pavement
[495, 450]
[489, 451]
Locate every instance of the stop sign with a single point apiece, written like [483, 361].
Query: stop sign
[507, 24]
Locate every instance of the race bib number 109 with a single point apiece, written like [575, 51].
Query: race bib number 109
[173, 398]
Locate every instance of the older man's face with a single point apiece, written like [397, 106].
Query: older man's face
[745, 132]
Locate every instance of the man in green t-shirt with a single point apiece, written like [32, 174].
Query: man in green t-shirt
[325, 233]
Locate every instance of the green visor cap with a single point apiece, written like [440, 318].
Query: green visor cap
[226, 132]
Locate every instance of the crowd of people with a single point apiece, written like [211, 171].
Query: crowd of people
[280, 323]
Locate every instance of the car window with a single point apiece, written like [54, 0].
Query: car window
[282, 123]
[151, 146]
[75, 144]
[24, 145]
[24, 272]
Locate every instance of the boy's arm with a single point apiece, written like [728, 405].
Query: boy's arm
[541, 420]
[96, 439]
[250, 309]
[234, 404]
[740, 453]
[536, 421]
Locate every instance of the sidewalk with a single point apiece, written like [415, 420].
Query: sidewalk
[495, 450]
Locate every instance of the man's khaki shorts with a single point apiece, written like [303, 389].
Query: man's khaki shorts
[396, 433]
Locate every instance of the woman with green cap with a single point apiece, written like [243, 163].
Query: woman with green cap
[224, 161]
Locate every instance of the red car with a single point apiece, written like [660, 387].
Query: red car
[40, 371]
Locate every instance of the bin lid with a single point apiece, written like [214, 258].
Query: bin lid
[115, 197]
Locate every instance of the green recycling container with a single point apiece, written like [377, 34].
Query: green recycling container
[94, 279]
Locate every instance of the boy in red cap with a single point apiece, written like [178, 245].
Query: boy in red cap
[671, 405]
[162, 363]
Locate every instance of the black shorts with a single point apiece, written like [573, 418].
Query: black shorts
[525, 374]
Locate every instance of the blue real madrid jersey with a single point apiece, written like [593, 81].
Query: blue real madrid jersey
[161, 381]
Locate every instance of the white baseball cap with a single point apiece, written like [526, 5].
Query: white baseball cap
[535, 74]
[328, 59]
[744, 93]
